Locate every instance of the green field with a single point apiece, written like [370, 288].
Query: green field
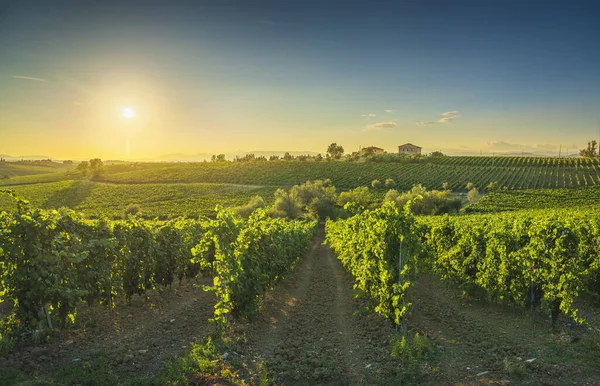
[12, 169]
[513, 172]
[191, 189]
[155, 200]
[512, 200]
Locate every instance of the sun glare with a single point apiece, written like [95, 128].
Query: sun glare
[128, 113]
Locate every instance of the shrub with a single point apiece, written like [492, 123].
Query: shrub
[133, 210]
[473, 195]
[246, 210]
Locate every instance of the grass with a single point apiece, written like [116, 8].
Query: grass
[154, 200]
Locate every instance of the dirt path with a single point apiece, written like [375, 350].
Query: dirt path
[309, 333]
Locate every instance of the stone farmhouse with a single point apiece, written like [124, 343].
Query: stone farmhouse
[409, 149]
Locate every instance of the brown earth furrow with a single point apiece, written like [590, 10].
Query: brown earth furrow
[309, 334]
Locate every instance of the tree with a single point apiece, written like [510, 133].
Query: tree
[445, 186]
[376, 184]
[285, 205]
[83, 167]
[389, 183]
[590, 151]
[319, 157]
[288, 157]
[360, 198]
[494, 186]
[473, 195]
[470, 186]
[96, 168]
[133, 210]
[218, 158]
[335, 151]
[437, 154]
[67, 162]
[391, 195]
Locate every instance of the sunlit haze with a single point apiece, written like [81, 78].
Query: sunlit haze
[463, 77]
[128, 113]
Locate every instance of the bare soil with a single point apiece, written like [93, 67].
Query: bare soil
[310, 332]
[482, 342]
[135, 341]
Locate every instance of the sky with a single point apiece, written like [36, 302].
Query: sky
[463, 77]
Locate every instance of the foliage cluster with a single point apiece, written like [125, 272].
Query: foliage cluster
[379, 248]
[250, 256]
[431, 202]
[50, 261]
[524, 258]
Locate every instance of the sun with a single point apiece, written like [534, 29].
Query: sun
[128, 112]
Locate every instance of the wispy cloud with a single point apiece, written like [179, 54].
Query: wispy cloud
[389, 111]
[31, 78]
[381, 125]
[448, 117]
[369, 115]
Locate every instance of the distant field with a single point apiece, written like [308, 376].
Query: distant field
[537, 199]
[11, 170]
[512, 172]
[191, 189]
[155, 200]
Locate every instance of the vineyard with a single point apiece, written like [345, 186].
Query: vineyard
[380, 249]
[155, 200]
[56, 264]
[532, 258]
[514, 200]
[51, 261]
[529, 259]
[512, 172]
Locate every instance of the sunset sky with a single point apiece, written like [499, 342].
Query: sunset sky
[227, 76]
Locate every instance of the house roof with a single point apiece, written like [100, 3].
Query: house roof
[410, 144]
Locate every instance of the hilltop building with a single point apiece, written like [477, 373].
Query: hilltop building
[409, 149]
[370, 150]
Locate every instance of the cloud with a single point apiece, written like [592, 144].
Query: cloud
[369, 115]
[381, 125]
[448, 117]
[389, 111]
[31, 78]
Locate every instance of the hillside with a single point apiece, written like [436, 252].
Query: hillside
[155, 200]
[512, 172]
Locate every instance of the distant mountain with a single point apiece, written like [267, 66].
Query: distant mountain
[24, 157]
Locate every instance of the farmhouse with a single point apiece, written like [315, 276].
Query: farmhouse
[409, 149]
[371, 150]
